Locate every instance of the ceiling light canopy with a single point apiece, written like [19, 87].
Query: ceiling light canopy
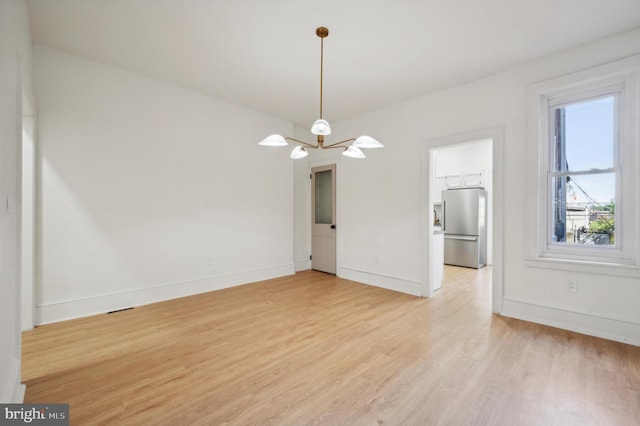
[321, 128]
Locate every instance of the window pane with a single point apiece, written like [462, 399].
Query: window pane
[583, 209]
[324, 198]
[584, 135]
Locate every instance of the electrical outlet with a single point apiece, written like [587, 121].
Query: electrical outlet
[572, 286]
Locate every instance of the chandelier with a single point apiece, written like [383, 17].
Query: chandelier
[321, 128]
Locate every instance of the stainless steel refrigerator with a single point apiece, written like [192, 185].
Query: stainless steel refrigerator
[465, 227]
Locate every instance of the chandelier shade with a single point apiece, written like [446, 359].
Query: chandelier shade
[299, 152]
[321, 128]
[367, 142]
[354, 152]
[273, 140]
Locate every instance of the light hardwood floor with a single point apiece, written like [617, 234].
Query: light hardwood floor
[316, 349]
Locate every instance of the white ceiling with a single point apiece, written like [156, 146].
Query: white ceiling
[264, 54]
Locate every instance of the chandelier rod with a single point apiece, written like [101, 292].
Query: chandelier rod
[321, 69]
[321, 32]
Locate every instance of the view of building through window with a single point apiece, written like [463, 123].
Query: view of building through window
[583, 171]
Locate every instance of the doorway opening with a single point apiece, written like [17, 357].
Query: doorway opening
[469, 164]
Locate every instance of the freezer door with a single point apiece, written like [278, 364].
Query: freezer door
[462, 211]
[461, 250]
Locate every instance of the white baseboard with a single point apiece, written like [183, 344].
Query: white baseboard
[584, 323]
[390, 283]
[98, 304]
[18, 394]
[303, 265]
[12, 391]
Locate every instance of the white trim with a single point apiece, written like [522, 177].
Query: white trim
[619, 75]
[582, 94]
[28, 249]
[13, 391]
[80, 307]
[29, 123]
[413, 288]
[570, 319]
[592, 268]
[18, 394]
[496, 134]
[426, 222]
[302, 265]
[567, 83]
[497, 269]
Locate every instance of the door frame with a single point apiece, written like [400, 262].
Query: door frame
[338, 219]
[496, 134]
[29, 235]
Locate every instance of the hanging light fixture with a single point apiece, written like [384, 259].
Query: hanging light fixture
[321, 128]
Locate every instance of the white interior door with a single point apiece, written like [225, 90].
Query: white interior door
[323, 218]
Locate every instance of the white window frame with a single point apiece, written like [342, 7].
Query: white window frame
[618, 79]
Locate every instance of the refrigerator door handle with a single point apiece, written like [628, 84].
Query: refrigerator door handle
[444, 215]
[461, 237]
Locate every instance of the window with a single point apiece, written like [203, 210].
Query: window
[583, 171]
[584, 133]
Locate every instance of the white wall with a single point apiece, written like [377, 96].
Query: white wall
[471, 157]
[16, 38]
[362, 193]
[15, 72]
[381, 209]
[151, 192]
[302, 200]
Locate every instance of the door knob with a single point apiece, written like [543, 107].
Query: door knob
[333, 227]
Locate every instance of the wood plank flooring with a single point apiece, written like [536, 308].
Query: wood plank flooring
[316, 349]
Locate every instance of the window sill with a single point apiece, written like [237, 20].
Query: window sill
[585, 267]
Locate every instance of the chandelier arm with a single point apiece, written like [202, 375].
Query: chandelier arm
[335, 145]
[301, 142]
